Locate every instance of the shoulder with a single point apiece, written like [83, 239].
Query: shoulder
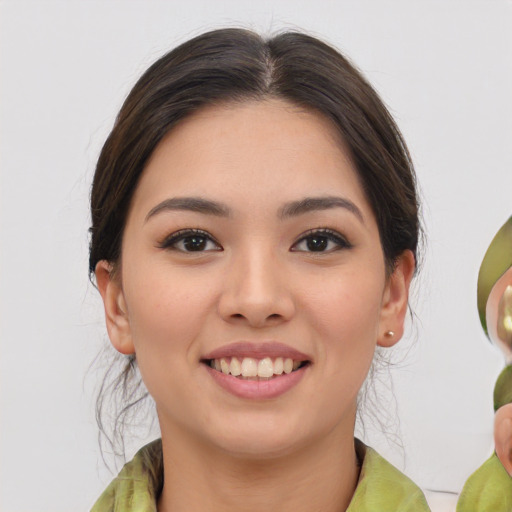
[136, 487]
[382, 487]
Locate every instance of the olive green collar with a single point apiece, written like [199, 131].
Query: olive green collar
[381, 486]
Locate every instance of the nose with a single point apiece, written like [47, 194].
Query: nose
[256, 291]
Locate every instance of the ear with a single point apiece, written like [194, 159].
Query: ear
[116, 315]
[395, 300]
[503, 436]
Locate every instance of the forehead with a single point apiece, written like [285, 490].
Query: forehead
[268, 150]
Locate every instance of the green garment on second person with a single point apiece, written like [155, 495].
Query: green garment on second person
[488, 489]
[381, 487]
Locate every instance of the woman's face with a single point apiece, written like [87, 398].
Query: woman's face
[251, 247]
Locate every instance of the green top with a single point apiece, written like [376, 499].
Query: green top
[489, 488]
[381, 487]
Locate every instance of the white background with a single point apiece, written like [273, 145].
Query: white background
[445, 70]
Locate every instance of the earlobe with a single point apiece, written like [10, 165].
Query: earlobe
[116, 315]
[395, 300]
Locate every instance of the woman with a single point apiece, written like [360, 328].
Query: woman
[254, 234]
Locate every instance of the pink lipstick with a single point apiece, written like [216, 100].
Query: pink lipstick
[256, 370]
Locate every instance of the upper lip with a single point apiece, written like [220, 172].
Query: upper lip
[257, 350]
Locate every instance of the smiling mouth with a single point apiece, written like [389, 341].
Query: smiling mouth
[250, 368]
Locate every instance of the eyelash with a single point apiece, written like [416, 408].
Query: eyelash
[331, 236]
[327, 235]
[172, 240]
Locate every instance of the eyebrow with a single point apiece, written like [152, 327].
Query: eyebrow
[292, 209]
[191, 204]
[311, 204]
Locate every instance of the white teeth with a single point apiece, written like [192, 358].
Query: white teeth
[235, 368]
[249, 367]
[224, 366]
[265, 368]
[278, 366]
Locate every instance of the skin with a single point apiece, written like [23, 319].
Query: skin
[503, 436]
[257, 281]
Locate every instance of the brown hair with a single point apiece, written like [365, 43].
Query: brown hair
[234, 65]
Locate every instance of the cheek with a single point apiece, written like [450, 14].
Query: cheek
[166, 311]
[347, 315]
[348, 307]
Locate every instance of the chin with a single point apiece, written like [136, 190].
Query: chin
[257, 438]
[253, 436]
[260, 448]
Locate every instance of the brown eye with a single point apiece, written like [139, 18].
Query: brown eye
[195, 243]
[321, 241]
[317, 243]
[190, 241]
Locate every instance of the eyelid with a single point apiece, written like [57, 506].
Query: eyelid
[333, 236]
[173, 238]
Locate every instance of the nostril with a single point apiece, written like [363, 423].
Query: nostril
[274, 316]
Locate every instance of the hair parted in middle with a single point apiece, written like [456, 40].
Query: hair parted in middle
[236, 65]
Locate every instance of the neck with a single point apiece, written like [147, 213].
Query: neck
[321, 476]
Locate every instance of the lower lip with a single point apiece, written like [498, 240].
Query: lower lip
[258, 389]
